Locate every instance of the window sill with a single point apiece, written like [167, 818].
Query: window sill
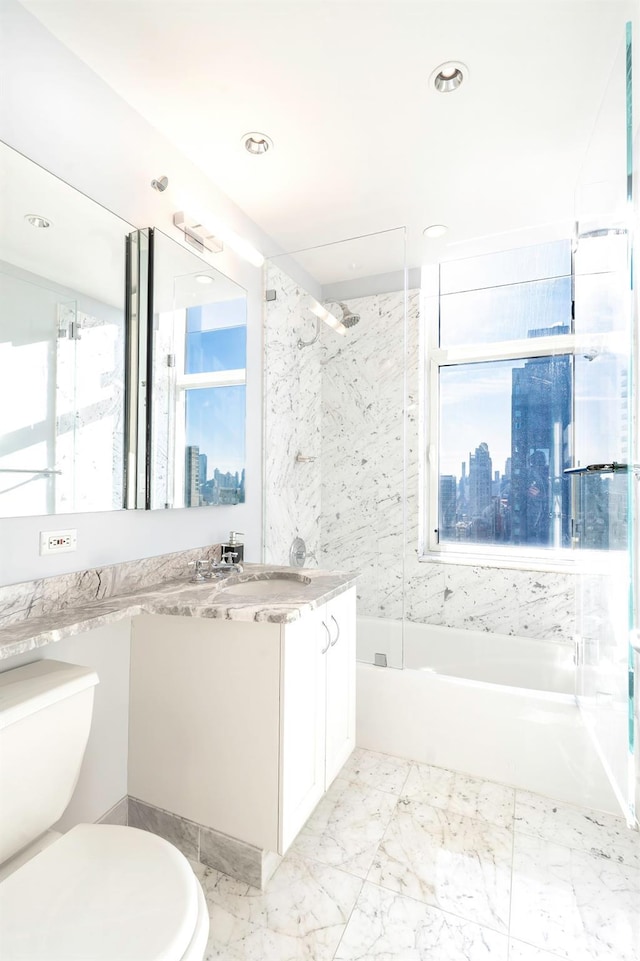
[569, 562]
[560, 565]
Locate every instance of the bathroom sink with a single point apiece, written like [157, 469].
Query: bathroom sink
[283, 586]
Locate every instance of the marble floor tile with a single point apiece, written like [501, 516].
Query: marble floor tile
[300, 916]
[460, 794]
[600, 834]
[456, 863]
[580, 906]
[380, 771]
[388, 927]
[346, 827]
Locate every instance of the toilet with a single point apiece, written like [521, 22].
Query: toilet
[101, 892]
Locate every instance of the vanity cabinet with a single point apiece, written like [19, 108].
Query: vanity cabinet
[242, 726]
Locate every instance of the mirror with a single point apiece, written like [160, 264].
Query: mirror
[62, 345]
[192, 351]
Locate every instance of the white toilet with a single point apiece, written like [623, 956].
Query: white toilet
[100, 892]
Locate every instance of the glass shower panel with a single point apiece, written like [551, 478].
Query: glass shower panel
[335, 329]
[604, 480]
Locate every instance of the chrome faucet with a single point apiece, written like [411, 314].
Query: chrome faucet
[225, 566]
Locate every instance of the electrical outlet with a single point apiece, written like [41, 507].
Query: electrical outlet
[58, 542]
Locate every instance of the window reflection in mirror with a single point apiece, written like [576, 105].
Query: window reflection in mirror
[62, 331]
[197, 399]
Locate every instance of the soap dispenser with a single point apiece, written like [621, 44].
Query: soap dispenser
[234, 546]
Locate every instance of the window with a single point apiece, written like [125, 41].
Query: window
[509, 383]
[210, 404]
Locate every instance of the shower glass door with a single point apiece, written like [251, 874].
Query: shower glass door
[604, 480]
[334, 478]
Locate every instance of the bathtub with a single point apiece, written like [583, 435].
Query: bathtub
[495, 707]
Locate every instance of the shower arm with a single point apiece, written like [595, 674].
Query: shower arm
[307, 343]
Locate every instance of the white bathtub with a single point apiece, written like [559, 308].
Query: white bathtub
[495, 707]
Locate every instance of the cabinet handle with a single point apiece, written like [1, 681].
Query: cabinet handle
[335, 640]
[324, 650]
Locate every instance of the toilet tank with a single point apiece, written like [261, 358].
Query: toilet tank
[45, 717]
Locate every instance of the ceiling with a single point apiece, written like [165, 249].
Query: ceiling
[362, 142]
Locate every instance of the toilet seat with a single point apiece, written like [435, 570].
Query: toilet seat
[104, 892]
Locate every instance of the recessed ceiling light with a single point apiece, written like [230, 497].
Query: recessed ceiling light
[448, 76]
[37, 221]
[257, 143]
[204, 279]
[434, 230]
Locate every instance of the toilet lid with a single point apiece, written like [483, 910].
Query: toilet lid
[102, 892]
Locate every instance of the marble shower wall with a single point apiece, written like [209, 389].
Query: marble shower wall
[342, 401]
[362, 521]
[293, 414]
[363, 493]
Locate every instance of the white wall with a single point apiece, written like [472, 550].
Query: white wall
[60, 114]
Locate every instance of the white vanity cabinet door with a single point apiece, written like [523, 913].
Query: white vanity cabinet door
[318, 708]
[302, 726]
[340, 614]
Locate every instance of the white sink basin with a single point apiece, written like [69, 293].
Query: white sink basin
[282, 587]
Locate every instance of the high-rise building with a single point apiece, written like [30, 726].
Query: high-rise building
[448, 506]
[540, 418]
[203, 469]
[480, 493]
[192, 476]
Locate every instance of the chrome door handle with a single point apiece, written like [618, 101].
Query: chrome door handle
[335, 640]
[325, 649]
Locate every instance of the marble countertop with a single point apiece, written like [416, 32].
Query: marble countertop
[211, 598]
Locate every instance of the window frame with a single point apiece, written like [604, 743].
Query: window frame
[184, 382]
[432, 359]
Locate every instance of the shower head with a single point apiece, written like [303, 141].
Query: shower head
[348, 319]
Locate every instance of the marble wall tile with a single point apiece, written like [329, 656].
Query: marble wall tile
[293, 421]
[424, 591]
[118, 814]
[388, 927]
[183, 834]
[231, 856]
[479, 603]
[362, 520]
[547, 606]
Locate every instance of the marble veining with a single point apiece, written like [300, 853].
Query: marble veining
[386, 926]
[455, 863]
[462, 870]
[577, 905]
[292, 401]
[20, 634]
[347, 826]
